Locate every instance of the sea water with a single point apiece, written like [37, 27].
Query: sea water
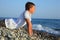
[48, 25]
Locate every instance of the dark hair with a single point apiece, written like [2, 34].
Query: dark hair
[29, 5]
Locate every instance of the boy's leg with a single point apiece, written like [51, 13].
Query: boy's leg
[10, 23]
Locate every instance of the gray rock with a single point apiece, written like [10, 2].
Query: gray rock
[11, 35]
[16, 38]
[0, 32]
[21, 34]
[3, 38]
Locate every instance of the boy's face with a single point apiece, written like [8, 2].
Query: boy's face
[32, 9]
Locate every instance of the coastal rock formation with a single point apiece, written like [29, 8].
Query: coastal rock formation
[21, 34]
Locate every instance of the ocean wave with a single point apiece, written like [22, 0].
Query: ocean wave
[46, 29]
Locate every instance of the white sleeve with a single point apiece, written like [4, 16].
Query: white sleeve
[27, 16]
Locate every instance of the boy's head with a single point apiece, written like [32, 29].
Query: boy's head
[30, 7]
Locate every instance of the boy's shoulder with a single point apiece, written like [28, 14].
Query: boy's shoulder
[27, 15]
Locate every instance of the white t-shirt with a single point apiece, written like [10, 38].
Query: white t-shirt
[12, 24]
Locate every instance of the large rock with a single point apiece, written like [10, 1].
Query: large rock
[21, 34]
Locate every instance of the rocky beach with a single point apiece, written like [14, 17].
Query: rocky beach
[22, 34]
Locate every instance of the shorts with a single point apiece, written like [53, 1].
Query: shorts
[10, 23]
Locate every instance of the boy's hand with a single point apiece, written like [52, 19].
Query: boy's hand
[29, 25]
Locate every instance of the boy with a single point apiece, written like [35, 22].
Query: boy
[25, 18]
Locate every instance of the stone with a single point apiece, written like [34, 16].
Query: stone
[16, 38]
[2, 38]
[0, 32]
[11, 35]
[22, 34]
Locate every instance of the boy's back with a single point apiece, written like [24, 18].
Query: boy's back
[20, 22]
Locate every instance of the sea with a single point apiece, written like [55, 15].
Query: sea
[51, 26]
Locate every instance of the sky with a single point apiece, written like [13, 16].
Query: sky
[49, 9]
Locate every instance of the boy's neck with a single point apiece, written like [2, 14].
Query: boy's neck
[29, 11]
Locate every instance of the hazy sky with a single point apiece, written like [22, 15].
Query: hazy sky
[44, 8]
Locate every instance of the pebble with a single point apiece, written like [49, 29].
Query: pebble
[21, 34]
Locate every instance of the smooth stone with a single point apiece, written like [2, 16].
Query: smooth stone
[2, 38]
[11, 35]
[22, 34]
[17, 38]
[0, 32]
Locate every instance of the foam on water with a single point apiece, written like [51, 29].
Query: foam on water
[46, 29]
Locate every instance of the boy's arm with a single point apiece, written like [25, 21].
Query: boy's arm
[29, 26]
